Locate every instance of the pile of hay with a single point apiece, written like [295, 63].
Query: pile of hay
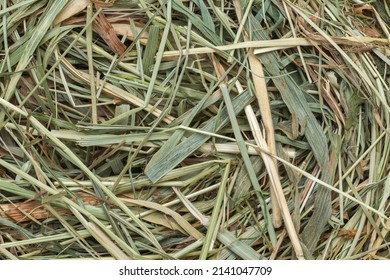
[194, 129]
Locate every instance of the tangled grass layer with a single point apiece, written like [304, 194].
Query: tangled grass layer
[194, 129]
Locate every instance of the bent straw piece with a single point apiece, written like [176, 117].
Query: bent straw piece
[270, 164]
[265, 109]
[261, 94]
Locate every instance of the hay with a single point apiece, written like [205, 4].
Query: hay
[194, 130]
